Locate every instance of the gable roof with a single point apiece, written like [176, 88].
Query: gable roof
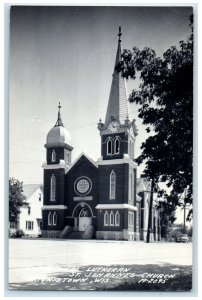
[77, 159]
[29, 189]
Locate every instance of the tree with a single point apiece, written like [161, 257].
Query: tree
[165, 96]
[167, 210]
[16, 198]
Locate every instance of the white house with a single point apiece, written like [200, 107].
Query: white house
[30, 217]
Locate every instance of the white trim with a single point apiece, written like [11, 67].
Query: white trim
[117, 214]
[83, 198]
[53, 207]
[77, 159]
[90, 186]
[116, 206]
[118, 161]
[117, 138]
[61, 165]
[109, 139]
[82, 204]
[111, 218]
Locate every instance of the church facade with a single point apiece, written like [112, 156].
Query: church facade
[87, 199]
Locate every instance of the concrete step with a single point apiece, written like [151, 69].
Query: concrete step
[75, 235]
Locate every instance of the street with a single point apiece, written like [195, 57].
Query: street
[31, 260]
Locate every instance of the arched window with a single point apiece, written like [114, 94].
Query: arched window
[117, 218]
[117, 145]
[106, 218]
[109, 146]
[53, 188]
[53, 156]
[111, 218]
[54, 218]
[50, 219]
[112, 189]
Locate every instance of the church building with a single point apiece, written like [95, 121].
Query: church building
[87, 199]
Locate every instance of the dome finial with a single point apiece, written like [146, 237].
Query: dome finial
[119, 34]
[59, 120]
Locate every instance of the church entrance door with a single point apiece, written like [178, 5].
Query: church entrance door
[84, 220]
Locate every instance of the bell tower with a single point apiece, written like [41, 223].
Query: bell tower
[117, 170]
[58, 159]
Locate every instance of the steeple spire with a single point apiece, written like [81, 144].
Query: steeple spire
[119, 34]
[59, 120]
[117, 104]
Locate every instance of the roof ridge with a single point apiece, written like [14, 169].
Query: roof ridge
[77, 159]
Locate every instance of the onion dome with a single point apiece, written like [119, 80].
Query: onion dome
[58, 135]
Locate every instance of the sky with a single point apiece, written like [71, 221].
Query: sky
[67, 54]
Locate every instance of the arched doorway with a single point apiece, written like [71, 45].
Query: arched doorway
[82, 214]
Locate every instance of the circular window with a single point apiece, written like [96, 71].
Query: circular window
[82, 186]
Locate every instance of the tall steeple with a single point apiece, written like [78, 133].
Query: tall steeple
[117, 104]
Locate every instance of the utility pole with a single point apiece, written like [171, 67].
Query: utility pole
[150, 211]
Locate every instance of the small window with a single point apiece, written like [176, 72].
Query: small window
[50, 219]
[53, 156]
[117, 145]
[53, 188]
[117, 218]
[106, 218]
[112, 189]
[13, 225]
[29, 225]
[111, 218]
[109, 146]
[54, 218]
[29, 210]
[39, 197]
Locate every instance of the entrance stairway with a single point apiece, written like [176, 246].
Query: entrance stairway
[64, 234]
[67, 233]
[75, 235]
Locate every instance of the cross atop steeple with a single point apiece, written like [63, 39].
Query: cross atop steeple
[59, 120]
[119, 34]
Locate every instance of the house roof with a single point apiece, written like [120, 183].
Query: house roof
[29, 189]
